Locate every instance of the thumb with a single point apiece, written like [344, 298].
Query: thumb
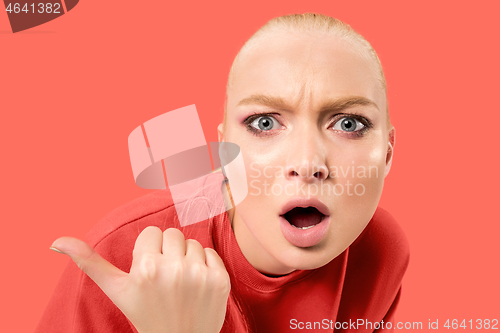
[101, 271]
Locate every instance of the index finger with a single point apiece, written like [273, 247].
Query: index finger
[148, 241]
[174, 243]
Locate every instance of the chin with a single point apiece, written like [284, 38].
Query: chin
[300, 258]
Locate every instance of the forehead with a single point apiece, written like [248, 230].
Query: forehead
[305, 69]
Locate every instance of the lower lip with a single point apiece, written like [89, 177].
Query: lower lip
[304, 237]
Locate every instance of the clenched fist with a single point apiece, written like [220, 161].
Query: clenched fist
[174, 285]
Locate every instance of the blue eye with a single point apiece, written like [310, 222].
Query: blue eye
[265, 123]
[348, 124]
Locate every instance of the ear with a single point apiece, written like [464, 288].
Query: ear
[390, 150]
[220, 133]
[222, 150]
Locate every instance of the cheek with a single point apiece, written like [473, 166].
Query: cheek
[264, 166]
[260, 209]
[258, 181]
[360, 177]
[259, 161]
[361, 166]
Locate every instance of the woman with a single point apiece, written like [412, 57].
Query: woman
[307, 248]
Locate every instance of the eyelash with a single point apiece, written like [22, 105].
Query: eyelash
[248, 122]
[367, 123]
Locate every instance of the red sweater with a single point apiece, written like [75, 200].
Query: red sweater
[362, 283]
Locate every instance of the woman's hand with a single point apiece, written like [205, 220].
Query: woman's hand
[174, 285]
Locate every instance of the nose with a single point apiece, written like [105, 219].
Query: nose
[307, 159]
[308, 174]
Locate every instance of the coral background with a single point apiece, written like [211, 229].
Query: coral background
[73, 89]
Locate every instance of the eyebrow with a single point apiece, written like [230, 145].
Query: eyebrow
[277, 102]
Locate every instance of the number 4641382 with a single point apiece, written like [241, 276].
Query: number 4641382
[40, 8]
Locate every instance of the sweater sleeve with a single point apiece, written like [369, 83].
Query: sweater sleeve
[389, 323]
[78, 305]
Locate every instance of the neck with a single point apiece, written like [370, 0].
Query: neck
[255, 254]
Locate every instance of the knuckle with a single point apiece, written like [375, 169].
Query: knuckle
[152, 227]
[193, 243]
[175, 270]
[220, 281]
[84, 263]
[135, 252]
[212, 253]
[148, 267]
[149, 231]
[209, 249]
[174, 232]
[198, 271]
[81, 265]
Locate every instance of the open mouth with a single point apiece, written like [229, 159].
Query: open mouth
[304, 217]
[304, 222]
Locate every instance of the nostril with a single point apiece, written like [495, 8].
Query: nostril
[309, 174]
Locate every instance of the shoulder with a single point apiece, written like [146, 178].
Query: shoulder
[152, 206]
[377, 261]
[382, 245]
[114, 236]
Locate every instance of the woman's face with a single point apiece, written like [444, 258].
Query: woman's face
[309, 115]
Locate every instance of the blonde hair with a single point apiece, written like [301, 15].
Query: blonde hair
[311, 23]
